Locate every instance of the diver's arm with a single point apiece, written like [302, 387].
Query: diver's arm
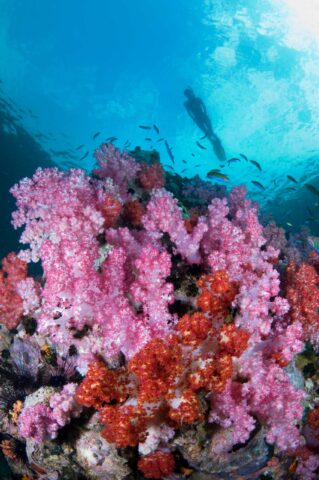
[189, 111]
[203, 106]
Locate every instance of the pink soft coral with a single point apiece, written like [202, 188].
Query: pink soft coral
[64, 406]
[37, 423]
[164, 216]
[121, 167]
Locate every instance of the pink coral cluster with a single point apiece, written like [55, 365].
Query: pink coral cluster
[41, 422]
[115, 251]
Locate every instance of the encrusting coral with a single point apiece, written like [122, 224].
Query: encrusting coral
[173, 313]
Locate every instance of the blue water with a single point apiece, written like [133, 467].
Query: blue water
[74, 68]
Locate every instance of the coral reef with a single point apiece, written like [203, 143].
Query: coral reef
[171, 334]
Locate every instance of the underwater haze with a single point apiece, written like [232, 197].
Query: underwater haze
[72, 69]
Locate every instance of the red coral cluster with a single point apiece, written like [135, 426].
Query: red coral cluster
[313, 418]
[151, 176]
[162, 380]
[157, 464]
[216, 293]
[111, 210]
[13, 271]
[133, 211]
[302, 292]
[102, 385]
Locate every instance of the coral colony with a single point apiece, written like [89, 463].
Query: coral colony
[170, 334]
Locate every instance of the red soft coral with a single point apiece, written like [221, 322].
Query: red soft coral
[123, 426]
[216, 293]
[193, 329]
[152, 176]
[11, 305]
[102, 385]
[303, 295]
[156, 367]
[133, 211]
[111, 210]
[233, 340]
[157, 465]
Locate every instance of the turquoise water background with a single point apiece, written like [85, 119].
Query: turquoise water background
[73, 68]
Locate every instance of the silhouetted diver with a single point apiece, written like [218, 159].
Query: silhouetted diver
[197, 111]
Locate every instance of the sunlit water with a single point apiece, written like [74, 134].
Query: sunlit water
[74, 68]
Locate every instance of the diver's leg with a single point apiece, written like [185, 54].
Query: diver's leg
[208, 126]
[218, 147]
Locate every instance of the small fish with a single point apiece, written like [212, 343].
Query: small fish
[312, 189]
[144, 127]
[169, 151]
[222, 166]
[202, 138]
[79, 147]
[201, 146]
[156, 129]
[291, 189]
[160, 139]
[148, 139]
[217, 174]
[193, 154]
[234, 159]
[256, 164]
[243, 156]
[84, 156]
[110, 139]
[198, 165]
[289, 224]
[184, 170]
[126, 143]
[258, 184]
[292, 179]
[184, 161]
